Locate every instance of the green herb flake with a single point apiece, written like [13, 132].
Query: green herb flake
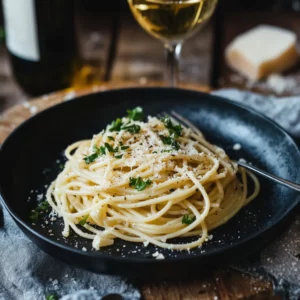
[174, 130]
[102, 150]
[119, 156]
[187, 219]
[116, 125]
[138, 183]
[52, 297]
[124, 147]
[170, 140]
[97, 152]
[91, 158]
[82, 222]
[110, 148]
[43, 206]
[136, 114]
[34, 216]
[110, 138]
[61, 166]
[132, 128]
[95, 148]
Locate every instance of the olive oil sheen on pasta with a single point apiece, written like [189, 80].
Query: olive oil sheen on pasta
[172, 21]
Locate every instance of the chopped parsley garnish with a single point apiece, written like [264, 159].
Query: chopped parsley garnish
[52, 297]
[110, 148]
[136, 114]
[110, 138]
[138, 183]
[102, 151]
[174, 130]
[116, 125]
[43, 206]
[187, 219]
[91, 158]
[97, 152]
[82, 222]
[170, 140]
[61, 166]
[132, 128]
[35, 214]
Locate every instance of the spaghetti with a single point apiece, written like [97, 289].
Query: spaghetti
[148, 182]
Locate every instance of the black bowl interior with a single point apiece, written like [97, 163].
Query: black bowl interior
[31, 157]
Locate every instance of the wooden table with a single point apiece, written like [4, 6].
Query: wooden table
[124, 61]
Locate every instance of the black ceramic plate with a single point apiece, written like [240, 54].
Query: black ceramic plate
[30, 159]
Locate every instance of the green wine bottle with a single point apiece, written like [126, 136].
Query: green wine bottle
[40, 38]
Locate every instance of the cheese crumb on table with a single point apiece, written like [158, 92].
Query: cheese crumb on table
[237, 147]
[262, 50]
[274, 83]
[33, 109]
[280, 84]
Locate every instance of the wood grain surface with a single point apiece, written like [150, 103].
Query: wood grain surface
[17, 114]
[217, 284]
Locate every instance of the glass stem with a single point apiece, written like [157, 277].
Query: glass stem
[173, 54]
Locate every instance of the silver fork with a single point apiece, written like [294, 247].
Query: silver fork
[176, 117]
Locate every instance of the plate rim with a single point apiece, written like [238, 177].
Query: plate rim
[132, 259]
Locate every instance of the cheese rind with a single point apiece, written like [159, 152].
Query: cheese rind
[261, 51]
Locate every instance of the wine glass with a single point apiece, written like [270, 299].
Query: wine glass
[172, 22]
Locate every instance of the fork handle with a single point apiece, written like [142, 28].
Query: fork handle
[267, 175]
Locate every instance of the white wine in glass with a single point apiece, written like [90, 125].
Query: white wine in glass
[172, 21]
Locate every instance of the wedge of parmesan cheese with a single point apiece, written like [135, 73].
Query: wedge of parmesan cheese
[261, 51]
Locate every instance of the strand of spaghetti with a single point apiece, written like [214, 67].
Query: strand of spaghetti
[256, 187]
[156, 242]
[148, 219]
[199, 216]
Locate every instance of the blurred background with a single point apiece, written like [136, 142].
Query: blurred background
[101, 41]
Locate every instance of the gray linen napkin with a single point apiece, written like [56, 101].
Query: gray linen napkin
[27, 273]
[279, 261]
[285, 111]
